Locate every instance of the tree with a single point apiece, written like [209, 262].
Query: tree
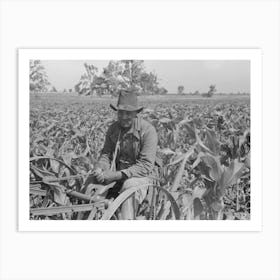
[38, 78]
[54, 89]
[149, 83]
[162, 91]
[132, 74]
[100, 86]
[211, 91]
[123, 75]
[180, 89]
[87, 83]
[83, 87]
[118, 75]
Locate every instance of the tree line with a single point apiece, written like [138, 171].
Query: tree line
[116, 76]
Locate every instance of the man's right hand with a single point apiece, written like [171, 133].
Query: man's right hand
[100, 178]
[97, 174]
[108, 176]
[97, 171]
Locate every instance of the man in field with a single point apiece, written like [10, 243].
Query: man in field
[132, 143]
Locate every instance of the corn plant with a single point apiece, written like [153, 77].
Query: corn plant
[204, 146]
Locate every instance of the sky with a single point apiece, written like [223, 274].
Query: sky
[229, 76]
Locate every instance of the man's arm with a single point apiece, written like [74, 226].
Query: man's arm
[146, 159]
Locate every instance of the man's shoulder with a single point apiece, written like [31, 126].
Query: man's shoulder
[145, 125]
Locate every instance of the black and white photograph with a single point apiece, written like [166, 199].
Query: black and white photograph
[140, 139]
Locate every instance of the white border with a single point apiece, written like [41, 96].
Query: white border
[254, 55]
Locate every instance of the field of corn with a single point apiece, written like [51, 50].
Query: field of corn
[204, 144]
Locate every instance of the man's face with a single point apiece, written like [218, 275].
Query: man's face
[126, 118]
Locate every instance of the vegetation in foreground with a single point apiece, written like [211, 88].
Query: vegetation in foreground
[204, 145]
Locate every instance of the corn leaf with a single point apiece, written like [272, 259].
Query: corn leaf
[197, 207]
[212, 143]
[213, 163]
[181, 169]
[232, 173]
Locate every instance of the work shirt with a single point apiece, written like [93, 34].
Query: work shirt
[137, 150]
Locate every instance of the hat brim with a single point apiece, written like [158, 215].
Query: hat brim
[126, 108]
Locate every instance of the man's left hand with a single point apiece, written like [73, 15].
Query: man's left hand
[109, 176]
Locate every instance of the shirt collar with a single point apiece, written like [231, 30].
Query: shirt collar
[135, 128]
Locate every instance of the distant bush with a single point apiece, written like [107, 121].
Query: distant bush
[211, 91]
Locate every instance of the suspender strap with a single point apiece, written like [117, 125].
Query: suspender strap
[117, 149]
